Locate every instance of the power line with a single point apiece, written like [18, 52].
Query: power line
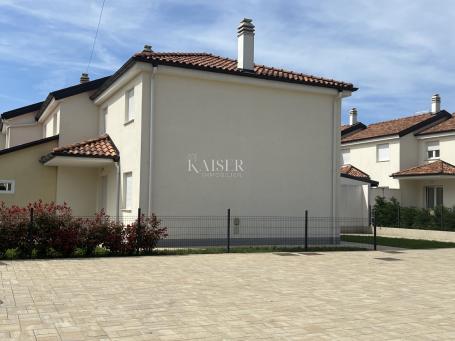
[96, 35]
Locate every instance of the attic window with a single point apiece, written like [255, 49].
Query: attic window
[7, 186]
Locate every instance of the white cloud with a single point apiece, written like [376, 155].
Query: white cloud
[397, 52]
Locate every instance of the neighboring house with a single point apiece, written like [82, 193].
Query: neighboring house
[186, 134]
[411, 157]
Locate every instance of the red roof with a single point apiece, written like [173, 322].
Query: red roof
[445, 126]
[438, 167]
[101, 147]
[386, 128]
[207, 61]
[349, 171]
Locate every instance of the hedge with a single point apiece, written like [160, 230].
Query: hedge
[389, 213]
[56, 232]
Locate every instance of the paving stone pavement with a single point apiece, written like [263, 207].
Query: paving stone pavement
[332, 296]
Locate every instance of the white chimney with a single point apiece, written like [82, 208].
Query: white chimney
[84, 78]
[353, 116]
[435, 104]
[245, 45]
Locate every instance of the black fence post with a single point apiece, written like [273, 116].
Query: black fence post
[229, 230]
[374, 231]
[30, 233]
[306, 230]
[399, 216]
[138, 230]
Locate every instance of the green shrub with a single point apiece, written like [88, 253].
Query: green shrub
[11, 253]
[101, 251]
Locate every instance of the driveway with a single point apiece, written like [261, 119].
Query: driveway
[330, 296]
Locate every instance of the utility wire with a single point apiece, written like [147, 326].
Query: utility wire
[96, 35]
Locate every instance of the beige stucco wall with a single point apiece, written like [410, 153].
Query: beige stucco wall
[79, 119]
[2, 140]
[33, 180]
[282, 136]
[446, 145]
[413, 191]
[127, 137]
[363, 156]
[354, 200]
[78, 187]
[22, 129]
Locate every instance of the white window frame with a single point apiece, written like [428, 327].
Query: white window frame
[129, 105]
[9, 183]
[435, 196]
[378, 148]
[127, 187]
[433, 150]
[343, 159]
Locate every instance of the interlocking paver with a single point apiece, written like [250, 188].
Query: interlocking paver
[338, 295]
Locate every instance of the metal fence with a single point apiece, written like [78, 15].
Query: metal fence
[226, 231]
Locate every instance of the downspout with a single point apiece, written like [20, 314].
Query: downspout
[117, 165]
[152, 135]
[335, 138]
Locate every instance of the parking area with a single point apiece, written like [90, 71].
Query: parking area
[327, 296]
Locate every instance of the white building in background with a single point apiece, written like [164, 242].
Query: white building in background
[411, 157]
[181, 134]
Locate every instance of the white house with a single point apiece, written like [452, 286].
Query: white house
[181, 134]
[411, 157]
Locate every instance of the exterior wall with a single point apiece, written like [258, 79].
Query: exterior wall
[354, 201]
[2, 140]
[22, 129]
[79, 119]
[78, 187]
[384, 192]
[363, 156]
[446, 145]
[413, 191]
[409, 151]
[127, 137]
[280, 135]
[33, 180]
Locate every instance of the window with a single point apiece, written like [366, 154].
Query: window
[127, 190]
[345, 157]
[129, 99]
[433, 196]
[7, 186]
[433, 150]
[383, 152]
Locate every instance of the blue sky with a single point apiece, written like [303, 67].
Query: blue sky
[397, 52]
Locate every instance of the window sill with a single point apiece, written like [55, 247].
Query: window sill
[382, 161]
[128, 122]
[127, 210]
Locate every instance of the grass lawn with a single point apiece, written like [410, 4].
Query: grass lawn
[212, 250]
[398, 242]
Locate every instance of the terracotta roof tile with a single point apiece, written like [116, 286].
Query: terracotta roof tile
[207, 61]
[445, 126]
[434, 168]
[392, 127]
[400, 126]
[354, 172]
[101, 147]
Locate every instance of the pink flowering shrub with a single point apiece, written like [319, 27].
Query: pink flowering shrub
[55, 231]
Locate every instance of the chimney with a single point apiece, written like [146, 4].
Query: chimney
[245, 45]
[147, 48]
[435, 104]
[84, 78]
[352, 116]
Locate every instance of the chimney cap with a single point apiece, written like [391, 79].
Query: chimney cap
[353, 110]
[246, 26]
[84, 78]
[436, 97]
[147, 48]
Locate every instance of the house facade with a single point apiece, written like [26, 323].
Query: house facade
[411, 157]
[183, 134]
